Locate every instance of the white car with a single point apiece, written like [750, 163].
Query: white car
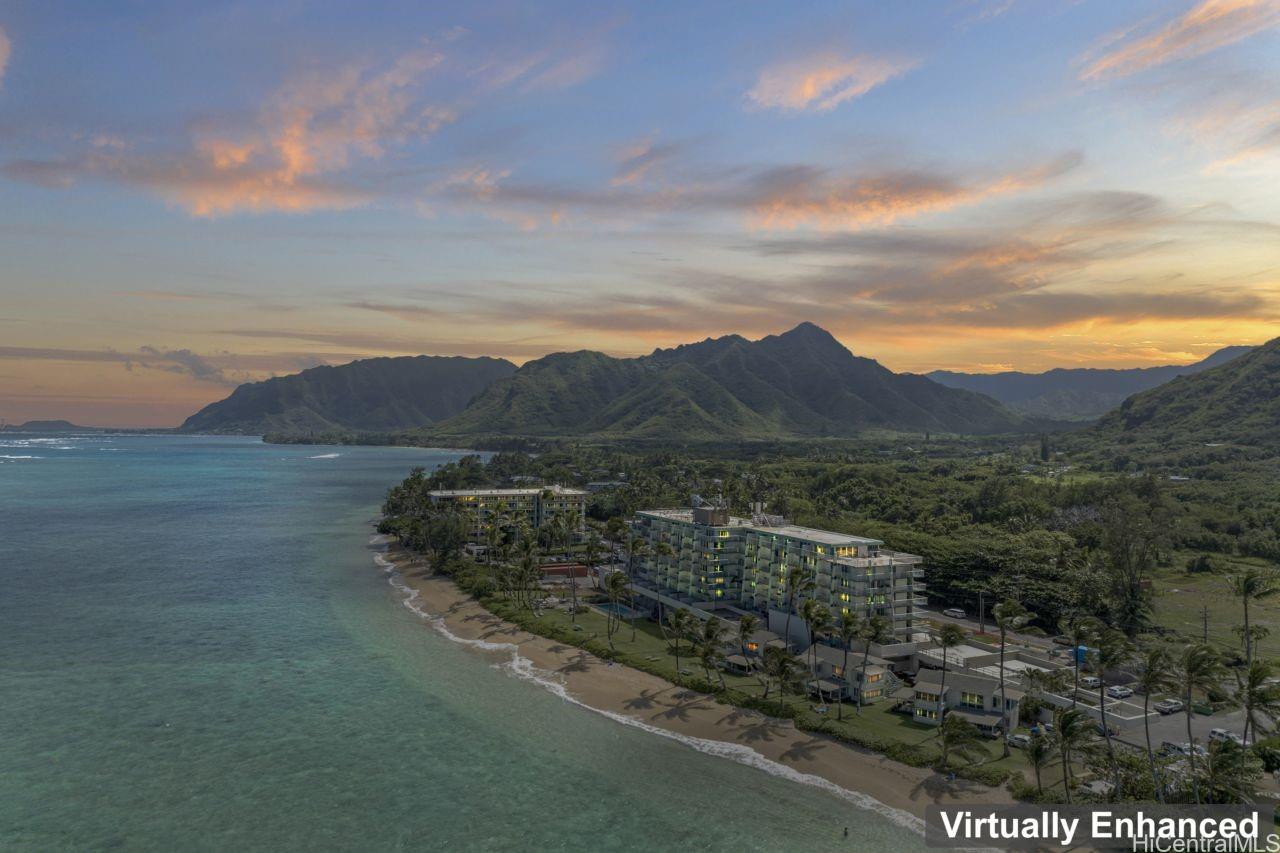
[1225, 736]
[1116, 691]
[1020, 741]
[1168, 706]
[953, 612]
[1091, 682]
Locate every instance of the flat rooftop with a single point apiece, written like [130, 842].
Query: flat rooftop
[503, 493]
[793, 531]
[957, 654]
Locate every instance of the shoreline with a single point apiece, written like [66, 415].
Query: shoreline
[631, 697]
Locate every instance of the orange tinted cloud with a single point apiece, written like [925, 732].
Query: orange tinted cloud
[855, 203]
[1210, 25]
[5, 50]
[822, 83]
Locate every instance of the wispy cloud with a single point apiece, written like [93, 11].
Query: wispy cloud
[6, 48]
[823, 82]
[1206, 27]
[309, 131]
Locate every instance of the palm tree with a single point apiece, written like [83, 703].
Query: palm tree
[1198, 668]
[1113, 650]
[1231, 773]
[747, 627]
[710, 653]
[1155, 676]
[780, 665]
[680, 620]
[799, 581]
[1259, 696]
[1072, 729]
[818, 619]
[664, 550]
[1009, 615]
[950, 636]
[849, 630]
[1039, 752]
[1081, 632]
[958, 736]
[616, 588]
[1253, 584]
[874, 630]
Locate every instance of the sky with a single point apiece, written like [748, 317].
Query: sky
[195, 195]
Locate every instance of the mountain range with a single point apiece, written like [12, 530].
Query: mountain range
[1068, 394]
[800, 383]
[1237, 402]
[373, 394]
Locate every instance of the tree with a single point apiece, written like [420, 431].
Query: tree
[1198, 668]
[958, 737]
[1113, 650]
[1039, 753]
[849, 630]
[799, 581]
[710, 652]
[874, 630]
[780, 665]
[818, 620]
[1253, 584]
[616, 588]
[1009, 616]
[1259, 696]
[949, 637]
[679, 620]
[1072, 728]
[1156, 675]
[1231, 773]
[1081, 631]
[1131, 538]
[747, 626]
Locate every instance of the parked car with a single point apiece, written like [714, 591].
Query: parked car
[1063, 640]
[1112, 730]
[1092, 682]
[953, 612]
[1020, 741]
[1168, 706]
[1117, 691]
[1225, 736]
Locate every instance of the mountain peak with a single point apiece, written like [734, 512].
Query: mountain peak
[808, 330]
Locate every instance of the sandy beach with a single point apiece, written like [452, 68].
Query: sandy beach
[632, 697]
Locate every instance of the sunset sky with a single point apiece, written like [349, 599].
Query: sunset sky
[193, 195]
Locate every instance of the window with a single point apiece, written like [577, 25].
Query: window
[973, 700]
[926, 713]
[924, 696]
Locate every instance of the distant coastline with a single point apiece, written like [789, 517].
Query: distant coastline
[868, 779]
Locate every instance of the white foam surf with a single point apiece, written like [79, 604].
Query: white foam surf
[20, 457]
[326, 456]
[523, 668]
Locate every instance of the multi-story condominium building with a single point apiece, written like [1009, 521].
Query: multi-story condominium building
[513, 507]
[705, 556]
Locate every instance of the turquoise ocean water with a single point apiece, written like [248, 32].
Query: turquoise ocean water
[199, 652]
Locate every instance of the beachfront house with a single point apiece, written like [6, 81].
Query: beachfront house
[975, 698]
[513, 508]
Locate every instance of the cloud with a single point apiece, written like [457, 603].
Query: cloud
[308, 132]
[1208, 26]
[6, 48]
[186, 362]
[637, 159]
[822, 82]
[804, 197]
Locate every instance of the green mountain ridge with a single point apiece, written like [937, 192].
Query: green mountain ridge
[1079, 393]
[800, 383]
[1237, 402]
[371, 394]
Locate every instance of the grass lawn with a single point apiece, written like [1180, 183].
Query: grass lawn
[1180, 597]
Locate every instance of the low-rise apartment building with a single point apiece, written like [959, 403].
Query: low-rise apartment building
[976, 698]
[706, 556]
[531, 507]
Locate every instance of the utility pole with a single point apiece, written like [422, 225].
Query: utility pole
[982, 612]
[1204, 619]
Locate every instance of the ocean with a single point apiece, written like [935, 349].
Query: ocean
[199, 651]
